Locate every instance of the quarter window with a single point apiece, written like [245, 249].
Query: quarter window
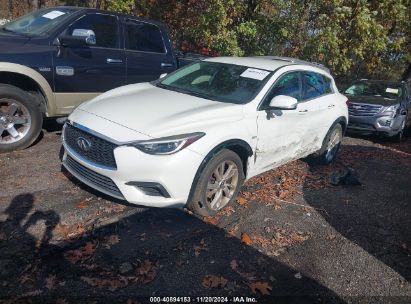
[105, 28]
[144, 37]
[288, 85]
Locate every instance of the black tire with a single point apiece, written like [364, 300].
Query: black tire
[325, 156]
[400, 135]
[8, 94]
[199, 203]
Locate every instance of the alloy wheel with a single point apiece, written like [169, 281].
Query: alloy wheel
[333, 144]
[222, 185]
[15, 121]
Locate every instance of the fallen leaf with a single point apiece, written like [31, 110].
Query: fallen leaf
[82, 254]
[262, 287]
[246, 239]
[146, 271]
[110, 241]
[242, 201]
[82, 205]
[199, 248]
[210, 220]
[51, 282]
[211, 281]
[234, 264]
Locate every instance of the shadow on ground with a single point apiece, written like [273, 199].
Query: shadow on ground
[156, 252]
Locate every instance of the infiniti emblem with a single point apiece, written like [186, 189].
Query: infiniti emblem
[83, 144]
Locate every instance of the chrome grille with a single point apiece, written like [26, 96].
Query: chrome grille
[91, 178]
[359, 109]
[101, 152]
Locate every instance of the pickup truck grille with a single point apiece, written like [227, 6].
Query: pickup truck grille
[358, 109]
[100, 151]
[91, 178]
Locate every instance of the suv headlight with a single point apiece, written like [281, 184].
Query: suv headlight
[391, 110]
[167, 145]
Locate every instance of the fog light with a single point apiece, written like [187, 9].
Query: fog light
[150, 189]
[385, 122]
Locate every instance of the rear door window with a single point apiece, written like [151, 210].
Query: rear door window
[313, 85]
[144, 37]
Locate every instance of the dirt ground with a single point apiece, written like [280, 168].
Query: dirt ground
[290, 233]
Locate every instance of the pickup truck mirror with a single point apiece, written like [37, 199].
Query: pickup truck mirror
[162, 75]
[68, 40]
[88, 34]
[283, 102]
[79, 38]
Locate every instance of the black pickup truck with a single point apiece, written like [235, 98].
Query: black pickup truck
[53, 59]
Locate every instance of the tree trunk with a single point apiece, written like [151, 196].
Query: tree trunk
[407, 73]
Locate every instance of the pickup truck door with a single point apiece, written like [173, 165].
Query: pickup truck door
[148, 53]
[280, 132]
[83, 72]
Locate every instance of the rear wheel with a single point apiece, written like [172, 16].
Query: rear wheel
[20, 119]
[218, 184]
[331, 145]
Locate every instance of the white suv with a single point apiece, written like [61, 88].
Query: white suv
[192, 137]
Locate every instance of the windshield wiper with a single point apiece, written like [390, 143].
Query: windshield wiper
[5, 29]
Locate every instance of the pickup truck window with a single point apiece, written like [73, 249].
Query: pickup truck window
[39, 22]
[217, 81]
[105, 27]
[144, 37]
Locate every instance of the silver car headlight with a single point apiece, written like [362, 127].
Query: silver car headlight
[167, 145]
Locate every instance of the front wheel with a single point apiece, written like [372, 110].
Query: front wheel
[331, 145]
[20, 119]
[218, 184]
[399, 136]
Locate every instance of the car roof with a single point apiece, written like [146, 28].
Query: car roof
[270, 63]
[94, 10]
[386, 82]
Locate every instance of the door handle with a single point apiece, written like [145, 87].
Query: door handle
[331, 106]
[166, 65]
[303, 111]
[110, 60]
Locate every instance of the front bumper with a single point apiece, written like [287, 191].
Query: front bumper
[387, 125]
[175, 173]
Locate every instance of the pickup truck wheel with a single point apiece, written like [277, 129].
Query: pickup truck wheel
[20, 119]
[218, 184]
[331, 145]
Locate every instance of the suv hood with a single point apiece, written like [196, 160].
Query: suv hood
[158, 112]
[377, 100]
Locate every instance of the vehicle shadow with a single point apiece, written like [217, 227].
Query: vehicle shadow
[376, 215]
[162, 252]
[403, 146]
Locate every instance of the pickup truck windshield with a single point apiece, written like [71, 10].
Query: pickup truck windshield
[217, 81]
[39, 22]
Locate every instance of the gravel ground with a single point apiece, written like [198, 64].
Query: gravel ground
[289, 234]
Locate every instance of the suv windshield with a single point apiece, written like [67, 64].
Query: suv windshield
[217, 81]
[39, 22]
[376, 89]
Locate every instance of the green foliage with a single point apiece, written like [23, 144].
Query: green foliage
[354, 38]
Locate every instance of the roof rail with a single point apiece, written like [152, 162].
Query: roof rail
[297, 61]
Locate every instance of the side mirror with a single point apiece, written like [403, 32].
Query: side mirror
[88, 34]
[73, 41]
[283, 102]
[162, 75]
[80, 38]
